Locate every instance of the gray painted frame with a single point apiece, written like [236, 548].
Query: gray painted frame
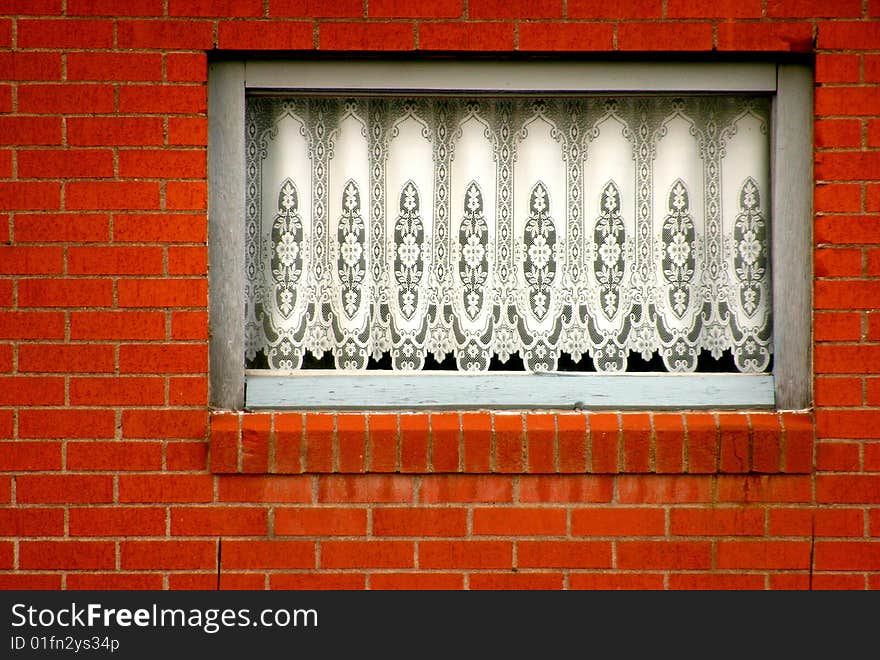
[789, 387]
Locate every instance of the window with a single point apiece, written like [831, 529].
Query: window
[524, 234]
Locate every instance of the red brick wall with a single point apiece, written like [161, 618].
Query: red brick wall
[113, 475]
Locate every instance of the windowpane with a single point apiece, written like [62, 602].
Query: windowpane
[481, 232]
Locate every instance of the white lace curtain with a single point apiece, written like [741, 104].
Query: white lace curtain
[488, 227]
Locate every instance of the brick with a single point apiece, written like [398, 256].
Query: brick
[847, 555]
[664, 554]
[112, 8]
[351, 438]
[186, 195]
[236, 8]
[616, 581]
[848, 489]
[849, 35]
[66, 423]
[839, 522]
[255, 432]
[521, 521]
[114, 581]
[836, 582]
[838, 456]
[790, 521]
[166, 292]
[67, 98]
[117, 325]
[268, 489]
[508, 443]
[838, 68]
[319, 432]
[318, 581]
[715, 581]
[604, 442]
[799, 439]
[61, 227]
[766, 442]
[31, 522]
[164, 99]
[518, 581]
[388, 8]
[64, 489]
[164, 359]
[117, 521]
[445, 441]
[110, 195]
[565, 488]
[615, 9]
[320, 521]
[436, 489]
[18, 456]
[186, 67]
[668, 443]
[702, 443]
[764, 488]
[17, 65]
[187, 261]
[161, 488]
[268, 554]
[847, 166]
[165, 34]
[848, 423]
[189, 325]
[636, 437]
[417, 581]
[419, 521]
[813, 8]
[618, 521]
[465, 554]
[563, 554]
[365, 488]
[463, 36]
[164, 423]
[670, 37]
[837, 262]
[114, 131]
[382, 443]
[171, 163]
[413, 442]
[186, 456]
[571, 430]
[838, 197]
[169, 555]
[30, 195]
[794, 37]
[71, 555]
[837, 326]
[271, 35]
[161, 228]
[63, 358]
[737, 521]
[541, 450]
[24, 581]
[365, 36]
[726, 9]
[476, 430]
[846, 295]
[115, 261]
[515, 9]
[837, 133]
[18, 391]
[69, 33]
[850, 101]
[289, 443]
[31, 325]
[186, 131]
[656, 489]
[369, 554]
[734, 443]
[65, 163]
[21, 260]
[219, 521]
[115, 455]
[114, 66]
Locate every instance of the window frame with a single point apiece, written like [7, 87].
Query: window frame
[788, 387]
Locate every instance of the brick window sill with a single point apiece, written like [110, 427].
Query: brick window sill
[512, 443]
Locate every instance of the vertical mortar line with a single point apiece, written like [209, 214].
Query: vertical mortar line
[368, 455]
[334, 445]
